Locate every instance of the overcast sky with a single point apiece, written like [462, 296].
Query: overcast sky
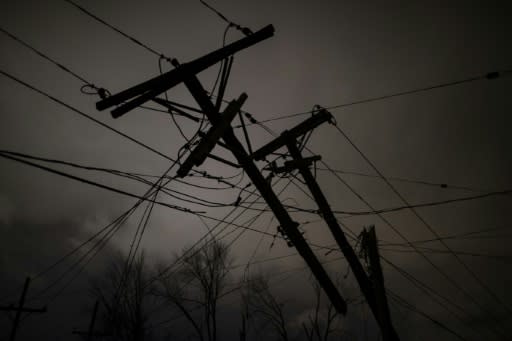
[323, 52]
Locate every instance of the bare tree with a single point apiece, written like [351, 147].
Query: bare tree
[125, 297]
[262, 306]
[264, 309]
[324, 321]
[197, 286]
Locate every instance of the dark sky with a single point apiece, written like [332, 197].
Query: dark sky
[323, 52]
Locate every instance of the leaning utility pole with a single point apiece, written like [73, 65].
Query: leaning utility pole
[19, 309]
[370, 247]
[289, 139]
[221, 128]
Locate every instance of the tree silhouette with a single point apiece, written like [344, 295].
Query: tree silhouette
[264, 310]
[125, 295]
[324, 321]
[197, 286]
[262, 306]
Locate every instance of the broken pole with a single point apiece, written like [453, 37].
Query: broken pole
[369, 243]
[325, 210]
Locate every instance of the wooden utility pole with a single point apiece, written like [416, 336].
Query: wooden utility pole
[289, 138]
[325, 210]
[243, 330]
[289, 226]
[369, 245]
[19, 309]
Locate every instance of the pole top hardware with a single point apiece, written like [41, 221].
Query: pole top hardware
[297, 131]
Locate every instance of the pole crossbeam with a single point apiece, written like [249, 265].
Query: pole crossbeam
[148, 90]
[208, 142]
[300, 129]
[21, 309]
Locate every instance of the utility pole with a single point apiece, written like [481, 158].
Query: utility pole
[243, 330]
[289, 138]
[19, 309]
[90, 333]
[186, 73]
[370, 247]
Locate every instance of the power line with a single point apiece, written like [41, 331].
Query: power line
[244, 30]
[504, 259]
[410, 206]
[114, 227]
[210, 232]
[253, 219]
[95, 249]
[412, 308]
[415, 281]
[453, 236]
[488, 76]
[240, 286]
[370, 207]
[216, 237]
[430, 204]
[80, 246]
[407, 180]
[83, 114]
[103, 241]
[139, 232]
[2, 153]
[437, 268]
[112, 27]
[69, 1]
[194, 249]
[101, 91]
[230, 223]
[41, 54]
[432, 294]
[401, 235]
[253, 254]
[135, 176]
[424, 222]
[93, 183]
[131, 175]
[207, 203]
[223, 220]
